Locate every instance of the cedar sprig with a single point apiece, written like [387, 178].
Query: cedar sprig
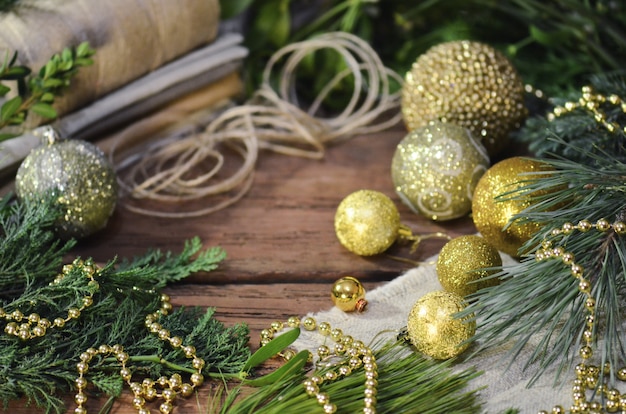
[537, 305]
[43, 370]
[29, 248]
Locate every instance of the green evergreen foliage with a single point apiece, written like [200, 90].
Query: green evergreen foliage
[408, 382]
[541, 298]
[579, 129]
[43, 369]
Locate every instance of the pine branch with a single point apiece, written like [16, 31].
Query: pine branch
[541, 298]
[579, 128]
[408, 382]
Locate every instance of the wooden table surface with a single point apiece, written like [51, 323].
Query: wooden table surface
[283, 255]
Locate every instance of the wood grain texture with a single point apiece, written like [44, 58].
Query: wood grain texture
[283, 254]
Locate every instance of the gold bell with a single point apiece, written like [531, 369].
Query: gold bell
[348, 294]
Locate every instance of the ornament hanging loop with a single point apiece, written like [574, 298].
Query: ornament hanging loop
[48, 135]
[406, 234]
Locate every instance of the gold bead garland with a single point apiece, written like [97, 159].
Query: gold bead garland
[145, 391]
[33, 325]
[353, 353]
[592, 102]
[587, 375]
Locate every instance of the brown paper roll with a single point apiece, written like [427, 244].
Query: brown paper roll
[131, 38]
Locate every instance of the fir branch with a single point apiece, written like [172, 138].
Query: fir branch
[408, 382]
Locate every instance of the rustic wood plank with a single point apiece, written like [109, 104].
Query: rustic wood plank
[282, 230]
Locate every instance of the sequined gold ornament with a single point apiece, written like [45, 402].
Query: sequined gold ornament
[348, 294]
[433, 329]
[462, 265]
[467, 83]
[80, 177]
[435, 169]
[367, 222]
[493, 215]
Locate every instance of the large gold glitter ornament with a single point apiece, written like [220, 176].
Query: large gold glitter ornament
[462, 265]
[433, 328]
[81, 179]
[367, 222]
[467, 83]
[435, 169]
[493, 216]
[348, 294]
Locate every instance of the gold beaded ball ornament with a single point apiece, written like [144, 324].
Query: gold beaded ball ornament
[463, 265]
[434, 330]
[435, 169]
[493, 215]
[348, 294]
[80, 177]
[367, 222]
[469, 84]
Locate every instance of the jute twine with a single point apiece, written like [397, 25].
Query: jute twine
[182, 169]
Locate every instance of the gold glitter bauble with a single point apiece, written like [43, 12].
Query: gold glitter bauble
[462, 263]
[80, 177]
[491, 215]
[348, 294]
[433, 328]
[435, 169]
[469, 84]
[367, 222]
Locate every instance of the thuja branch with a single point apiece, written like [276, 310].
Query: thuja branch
[43, 368]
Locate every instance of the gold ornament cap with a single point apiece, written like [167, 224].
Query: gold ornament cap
[367, 222]
[493, 215]
[467, 83]
[435, 169]
[465, 263]
[434, 330]
[348, 294]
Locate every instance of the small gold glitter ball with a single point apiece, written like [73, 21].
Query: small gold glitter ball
[348, 294]
[435, 169]
[80, 177]
[367, 222]
[492, 214]
[433, 329]
[462, 265]
[467, 83]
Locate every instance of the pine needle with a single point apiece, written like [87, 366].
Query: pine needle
[408, 382]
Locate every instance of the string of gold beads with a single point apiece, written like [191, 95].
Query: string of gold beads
[33, 325]
[147, 390]
[592, 101]
[353, 353]
[587, 375]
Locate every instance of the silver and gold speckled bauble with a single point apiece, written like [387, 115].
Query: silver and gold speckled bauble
[78, 174]
[435, 169]
[434, 329]
[467, 83]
